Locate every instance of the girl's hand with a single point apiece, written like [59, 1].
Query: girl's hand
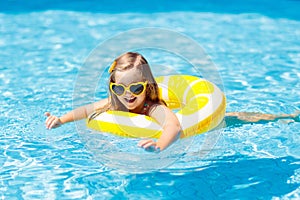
[149, 145]
[52, 121]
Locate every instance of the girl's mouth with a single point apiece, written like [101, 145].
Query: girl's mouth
[130, 100]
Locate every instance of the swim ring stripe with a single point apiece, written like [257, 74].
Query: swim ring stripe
[126, 124]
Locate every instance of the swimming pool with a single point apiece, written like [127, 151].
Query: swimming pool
[255, 46]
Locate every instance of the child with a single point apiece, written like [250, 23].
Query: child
[130, 71]
[133, 89]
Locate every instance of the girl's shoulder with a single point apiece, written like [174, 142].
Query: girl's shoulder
[149, 107]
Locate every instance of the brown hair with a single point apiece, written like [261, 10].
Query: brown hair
[125, 62]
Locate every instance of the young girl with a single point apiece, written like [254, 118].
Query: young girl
[133, 88]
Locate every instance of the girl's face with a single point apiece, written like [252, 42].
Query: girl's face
[132, 102]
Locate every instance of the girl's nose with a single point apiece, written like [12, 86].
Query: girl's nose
[128, 93]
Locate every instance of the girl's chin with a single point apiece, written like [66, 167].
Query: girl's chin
[131, 106]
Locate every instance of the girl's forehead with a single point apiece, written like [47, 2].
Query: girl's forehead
[128, 76]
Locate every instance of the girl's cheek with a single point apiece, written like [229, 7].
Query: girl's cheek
[121, 100]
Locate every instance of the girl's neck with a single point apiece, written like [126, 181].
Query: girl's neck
[141, 109]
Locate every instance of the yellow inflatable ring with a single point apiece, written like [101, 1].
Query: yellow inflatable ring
[198, 104]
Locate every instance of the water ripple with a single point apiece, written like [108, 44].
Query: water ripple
[41, 54]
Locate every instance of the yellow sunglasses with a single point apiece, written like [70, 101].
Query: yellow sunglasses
[136, 89]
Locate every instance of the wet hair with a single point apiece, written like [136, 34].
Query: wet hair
[125, 62]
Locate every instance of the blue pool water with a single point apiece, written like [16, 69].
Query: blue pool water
[255, 47]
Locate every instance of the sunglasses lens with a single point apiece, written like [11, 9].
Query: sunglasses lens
[118, 89]
[137, 89]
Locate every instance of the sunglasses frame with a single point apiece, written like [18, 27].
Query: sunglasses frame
[127, 88]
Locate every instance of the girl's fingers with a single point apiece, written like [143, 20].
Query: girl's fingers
[146, 146]
[52, 121]
[143, 142]
[55, 123]
[52, 124]
[146, 143]
[49, 120]
[48, 115]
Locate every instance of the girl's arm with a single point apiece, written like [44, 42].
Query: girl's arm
[74, 115]
[170, 128]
